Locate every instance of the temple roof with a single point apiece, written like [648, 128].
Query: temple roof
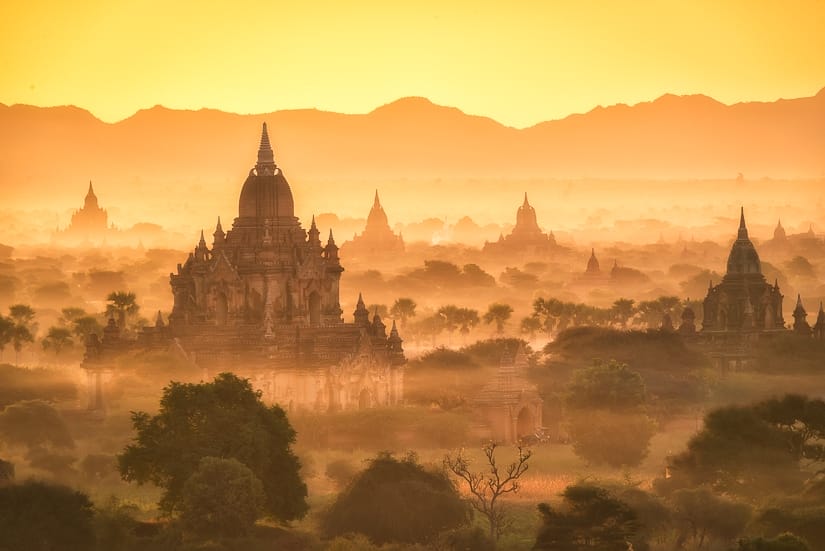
[266, 194]
[743, 258]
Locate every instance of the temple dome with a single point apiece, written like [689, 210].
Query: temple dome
[266, 193]
[743, 258]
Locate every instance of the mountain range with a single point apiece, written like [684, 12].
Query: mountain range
[412, 139]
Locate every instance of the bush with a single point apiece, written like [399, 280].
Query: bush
[396, 501]
[36, 516]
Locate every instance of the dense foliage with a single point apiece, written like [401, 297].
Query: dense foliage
[36, 516]
[224, 418]
[396, 500]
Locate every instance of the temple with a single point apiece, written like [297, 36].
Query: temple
[378, 239]
[88, 223]
[743, 306]
[263, 302]
[509, 407]
[526, 237]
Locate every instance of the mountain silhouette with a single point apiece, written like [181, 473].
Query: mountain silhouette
[672, 137]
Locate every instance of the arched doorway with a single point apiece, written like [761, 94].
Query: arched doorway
[221, 309]
[314, 308]
[364, 399]
[525, 426]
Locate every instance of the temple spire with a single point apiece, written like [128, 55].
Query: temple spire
[330, 240]
[743, 229]
[376, 203]
[91, 192]
[526, 203]
[265, 155]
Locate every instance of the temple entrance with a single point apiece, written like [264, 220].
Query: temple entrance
[221, 309]
[525, 426]
[364, 401]
[314, 308]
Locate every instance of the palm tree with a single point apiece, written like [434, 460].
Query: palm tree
[451, 317]
[123, 304]
[467, 318]
[57, 339]
[530, 325]
[403, 309]
[70, 314]
[498, 313]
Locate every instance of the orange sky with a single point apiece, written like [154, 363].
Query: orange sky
[531, 61]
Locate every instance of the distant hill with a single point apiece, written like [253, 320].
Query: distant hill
[672, 137]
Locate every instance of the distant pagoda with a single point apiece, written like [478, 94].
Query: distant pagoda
[89, 222]
[526, 237]
[377, 239]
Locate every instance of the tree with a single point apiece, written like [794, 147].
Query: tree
[69, 314]
[34, 424]
[57, 339]
[454, 318]
[612, 386]
[608, 438]
[530, 325]
[702, 516]
[591, 518]
[745, 449]
[606, 415]
[37, 516]
[84, 326]
[223, 418]
[498, 313]
[22, 315]
[487, 487]
[6, 333]
[622, 310]
[221, 498]
[396, 501]
[403, 309]
[123, 304]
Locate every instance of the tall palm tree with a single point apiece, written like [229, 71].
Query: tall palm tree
[498, 313]
[123, 304]
[403, 309]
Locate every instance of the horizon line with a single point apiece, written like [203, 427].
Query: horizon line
[400, 99]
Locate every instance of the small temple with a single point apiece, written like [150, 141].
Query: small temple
[263, 301]
[526, 237]
[377, 239]
[509, 406]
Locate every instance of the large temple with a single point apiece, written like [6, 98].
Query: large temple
[526, 237]
[743, 300]
[741, 308]
[263, 301]
[377, 239]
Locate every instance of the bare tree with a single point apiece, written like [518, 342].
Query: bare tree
[488, 486]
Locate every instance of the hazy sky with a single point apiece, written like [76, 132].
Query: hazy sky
[519, 62]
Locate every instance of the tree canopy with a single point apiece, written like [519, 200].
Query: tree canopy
[747, 449]
[590, 518]
[37, 516]
[224, 418]
[396, 500]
